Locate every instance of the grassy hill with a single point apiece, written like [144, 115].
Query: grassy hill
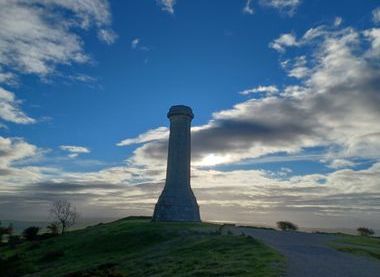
[136, 247]
[358, 245]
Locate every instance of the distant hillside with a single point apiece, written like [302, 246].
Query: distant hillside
[136, 247]
[20, 225]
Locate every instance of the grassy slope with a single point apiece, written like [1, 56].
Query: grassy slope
[142, 248]
[358, 245]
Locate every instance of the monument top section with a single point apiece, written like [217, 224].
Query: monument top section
[180, 110]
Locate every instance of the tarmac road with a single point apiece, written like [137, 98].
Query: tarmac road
[308, 255]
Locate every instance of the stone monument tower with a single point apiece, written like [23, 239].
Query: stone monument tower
[177, 201]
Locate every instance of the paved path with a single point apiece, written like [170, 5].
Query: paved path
[308, 255]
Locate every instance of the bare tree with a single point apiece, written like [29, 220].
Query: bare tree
[64, 213]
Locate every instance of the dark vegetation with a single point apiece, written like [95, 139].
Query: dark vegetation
[364, 231]
[5, 231]
[136, 247]
[107, 269]
[53, 228]
[258, 227]
[287, 226]
[31, 233]
[358, 245]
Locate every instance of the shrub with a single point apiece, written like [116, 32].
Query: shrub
[34, 245]
[31, 233]
[53, 228]
[15, 265]
[2, 233]
[103, 270]
[287, 226]
[45, 236]
[9, 229]
[5, 231]
[364, 231]
[8, 265]
[52, 255]
[13, 240]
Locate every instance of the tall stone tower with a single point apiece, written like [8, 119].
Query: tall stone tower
[177, 201]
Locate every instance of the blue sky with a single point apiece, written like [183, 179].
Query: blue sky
[285, 95]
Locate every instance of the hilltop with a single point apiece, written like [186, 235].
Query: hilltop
[135, 246]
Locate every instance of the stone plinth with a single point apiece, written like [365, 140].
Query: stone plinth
[177, 201]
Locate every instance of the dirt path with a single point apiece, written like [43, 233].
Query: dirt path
[309, 255]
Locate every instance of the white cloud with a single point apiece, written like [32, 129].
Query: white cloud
[7, 77]
[299, 72]
[260, 89]
[376, 15]
[373, 35]
[310, 200]
[296, 67]
[151, 135]
[248, 8]
[289, 40]
[83, 78]
[136, 45]
[9, 109]
[108, 36]
[335, 103]
[87, 12]
[285, 40]
[338, 21]
[74, 150]
[285, 6]
[167, 5]
[312, 34]
[14, 149]
[341, 163]
[222, 195]
[35, 37]
[135, 42]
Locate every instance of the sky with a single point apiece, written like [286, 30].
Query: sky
[286, 97]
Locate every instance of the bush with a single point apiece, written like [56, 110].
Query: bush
[52, 255]
[15, 266]
[13, 241]
[5, 231]
[31, 233]
[34, 245]
[53, 228]
[287, 226]
[45, 236]
[104, 270]
[1, 234]
[364, 231]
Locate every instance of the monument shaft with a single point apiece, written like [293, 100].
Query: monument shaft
[177, 201]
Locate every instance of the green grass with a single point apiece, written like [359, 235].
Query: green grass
[138, 247]
[358, 245]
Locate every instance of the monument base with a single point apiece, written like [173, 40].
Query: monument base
[174, 208]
